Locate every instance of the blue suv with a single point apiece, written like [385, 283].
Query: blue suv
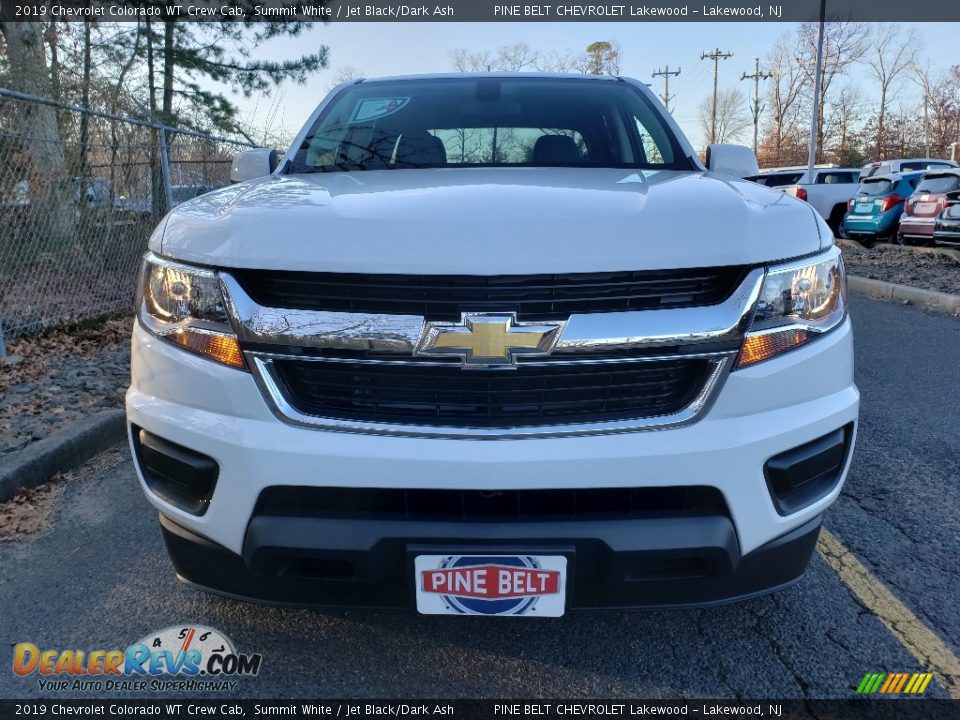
[874, 212]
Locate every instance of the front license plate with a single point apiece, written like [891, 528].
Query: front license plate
[531, 585]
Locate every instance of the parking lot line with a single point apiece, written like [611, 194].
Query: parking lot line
[921, 642]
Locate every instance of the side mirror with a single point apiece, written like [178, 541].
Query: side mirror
[737, 160]
[251, 164]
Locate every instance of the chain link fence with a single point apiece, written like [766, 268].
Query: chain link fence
[80, 193]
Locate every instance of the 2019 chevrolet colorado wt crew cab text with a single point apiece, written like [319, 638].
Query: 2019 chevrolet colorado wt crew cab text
[493, 344]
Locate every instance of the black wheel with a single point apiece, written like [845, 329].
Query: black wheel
[835, 221]
[901, 240]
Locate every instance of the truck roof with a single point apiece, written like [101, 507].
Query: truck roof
[476, 75]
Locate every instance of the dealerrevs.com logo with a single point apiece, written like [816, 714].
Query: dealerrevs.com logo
[182, 657]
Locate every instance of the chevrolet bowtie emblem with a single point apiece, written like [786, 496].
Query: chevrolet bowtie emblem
[488, 339]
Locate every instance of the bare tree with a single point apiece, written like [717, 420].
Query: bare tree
[944, 114]
[923, 77]
[565, 61]
[466, 61]
[4, 63]
[42, 156]
[733, 117]
[844, 43]
[784, 94]
[890, 55]
[843, 124]
[599, 58]
[516, 57]
[343, 74]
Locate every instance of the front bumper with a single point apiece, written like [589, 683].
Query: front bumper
[624, 564]
[761, 411]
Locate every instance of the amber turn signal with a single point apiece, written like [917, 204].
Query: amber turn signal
[220, 348]
[757, 348]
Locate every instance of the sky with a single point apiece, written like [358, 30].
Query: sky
[378, 49]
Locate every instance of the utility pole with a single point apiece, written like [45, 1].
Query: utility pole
[757, 109]
[716, 56]
[665, 74]
[812, 153]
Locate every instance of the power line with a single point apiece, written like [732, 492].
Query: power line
[665, 74]
[716, 56]
[757, 108]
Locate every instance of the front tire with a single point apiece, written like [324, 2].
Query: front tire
[835, 221]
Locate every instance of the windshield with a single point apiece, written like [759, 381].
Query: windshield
[939, 184]
[527, 122]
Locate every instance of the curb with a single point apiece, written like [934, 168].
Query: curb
[881, 290]
[72, 446]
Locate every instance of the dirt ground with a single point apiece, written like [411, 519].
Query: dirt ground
[903, 266]
[59, 377]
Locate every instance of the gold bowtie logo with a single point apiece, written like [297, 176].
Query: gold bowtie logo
[488, 339]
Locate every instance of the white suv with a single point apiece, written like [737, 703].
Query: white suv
[492, 344]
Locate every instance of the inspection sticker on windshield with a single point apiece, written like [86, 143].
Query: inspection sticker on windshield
[373, 108]
[532, 585]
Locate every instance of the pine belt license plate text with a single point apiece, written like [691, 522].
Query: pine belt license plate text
[531, 585]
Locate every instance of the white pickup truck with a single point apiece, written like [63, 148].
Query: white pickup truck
[828, 191]
[492, 344]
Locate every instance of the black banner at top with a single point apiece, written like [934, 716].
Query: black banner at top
[507, 709]
[481, 10]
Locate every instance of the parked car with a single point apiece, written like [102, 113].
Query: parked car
[828, 191]
[182, 193]
[922, 207]
[886, 167]
[874, 212]
[18, 196]
[385, 372]
[946, 230]
[93, 193]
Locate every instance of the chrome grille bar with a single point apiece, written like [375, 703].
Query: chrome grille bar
[706, 332]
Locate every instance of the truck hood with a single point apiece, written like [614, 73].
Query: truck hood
[487, 221]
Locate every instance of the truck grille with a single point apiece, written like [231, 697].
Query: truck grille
[531, 394]
[445, 297]
[490, 505]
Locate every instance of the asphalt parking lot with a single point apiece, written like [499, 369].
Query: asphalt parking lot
[101, 579]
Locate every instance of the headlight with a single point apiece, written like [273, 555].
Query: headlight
[184, 305]
[797, 302]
